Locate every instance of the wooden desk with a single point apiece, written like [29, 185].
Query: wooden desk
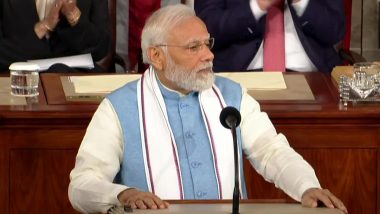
[38, 144]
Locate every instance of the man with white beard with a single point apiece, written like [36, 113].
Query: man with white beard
[160, 138]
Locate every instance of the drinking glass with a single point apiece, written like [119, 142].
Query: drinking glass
[24, 79]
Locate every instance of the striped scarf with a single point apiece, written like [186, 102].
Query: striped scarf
[162, 167]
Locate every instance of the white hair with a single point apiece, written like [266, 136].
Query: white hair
[161, 22]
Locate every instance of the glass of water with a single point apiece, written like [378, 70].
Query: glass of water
[24, 79]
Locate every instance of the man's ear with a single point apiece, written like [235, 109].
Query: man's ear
[156, 56]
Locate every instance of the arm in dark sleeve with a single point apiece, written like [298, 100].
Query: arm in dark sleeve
[229, 21]
[324, 20]
[92, 33]
[9, 52]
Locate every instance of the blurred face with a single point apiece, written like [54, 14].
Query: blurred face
[188, 59]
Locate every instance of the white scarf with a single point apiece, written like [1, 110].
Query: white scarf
[162, 167]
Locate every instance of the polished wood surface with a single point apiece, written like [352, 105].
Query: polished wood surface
[38, 143]
[246, 207]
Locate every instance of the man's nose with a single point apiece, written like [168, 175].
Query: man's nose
[207, 54]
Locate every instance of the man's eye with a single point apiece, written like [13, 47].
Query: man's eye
[194, 47]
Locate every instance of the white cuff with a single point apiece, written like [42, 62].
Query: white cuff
[112, 197]
[300, 7]
[256, 10]
[305, 186]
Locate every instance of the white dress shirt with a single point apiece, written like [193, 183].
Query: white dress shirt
[99, 157]
[296, 58]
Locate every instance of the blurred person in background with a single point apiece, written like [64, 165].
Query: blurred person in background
[40, 29]
[311, 28]
[131, 16]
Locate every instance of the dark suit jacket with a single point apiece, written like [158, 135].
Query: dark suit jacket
[18, 41]
[238, 35]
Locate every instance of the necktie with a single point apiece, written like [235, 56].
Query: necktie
[274, 40]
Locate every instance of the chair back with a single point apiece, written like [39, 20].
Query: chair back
[108, 62]
[349, 57]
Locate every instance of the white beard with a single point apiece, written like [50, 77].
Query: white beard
[198, 79]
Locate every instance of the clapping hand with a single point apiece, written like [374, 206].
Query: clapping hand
[68, 6]
[48, 24]
[265, 4]
[71, 11]
[52, 19]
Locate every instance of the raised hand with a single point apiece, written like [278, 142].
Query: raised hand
[265, 4]
[52, 19]
[42, 28]
[71, 11]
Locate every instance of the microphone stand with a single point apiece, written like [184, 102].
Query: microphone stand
[236, 194]
[230, 118]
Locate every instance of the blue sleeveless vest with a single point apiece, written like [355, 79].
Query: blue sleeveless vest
[190, 134]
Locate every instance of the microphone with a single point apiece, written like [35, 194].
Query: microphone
[230, 118]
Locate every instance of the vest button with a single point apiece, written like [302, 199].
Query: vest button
[183, 105]
[189, 135]
[201, 194]
[196, 164]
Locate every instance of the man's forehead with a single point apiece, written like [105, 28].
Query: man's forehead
[192, 29]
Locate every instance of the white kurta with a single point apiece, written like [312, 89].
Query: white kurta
[98, 161]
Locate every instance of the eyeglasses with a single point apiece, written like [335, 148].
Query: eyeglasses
[193, 47]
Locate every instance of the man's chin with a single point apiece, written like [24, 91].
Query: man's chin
[206, 83]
